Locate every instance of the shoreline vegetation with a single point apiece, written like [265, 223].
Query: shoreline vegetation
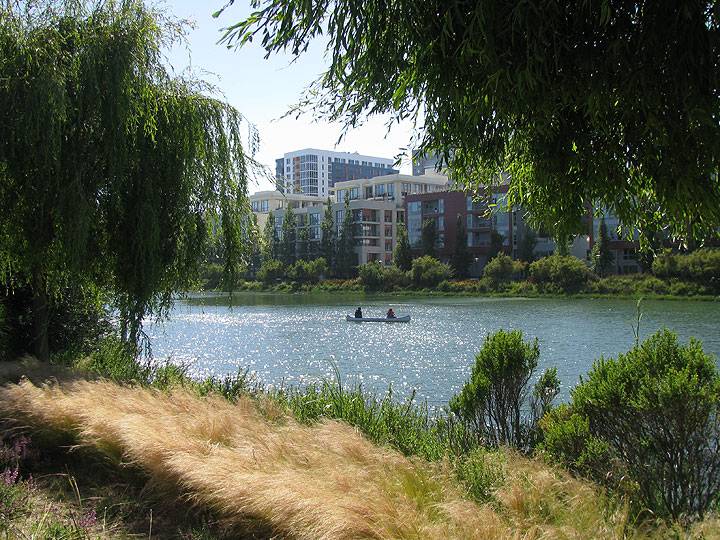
[228, 457]
[674, 276]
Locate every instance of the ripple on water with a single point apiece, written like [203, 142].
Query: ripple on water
[434, 353]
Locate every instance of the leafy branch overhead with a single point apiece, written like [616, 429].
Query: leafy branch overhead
[613, 103]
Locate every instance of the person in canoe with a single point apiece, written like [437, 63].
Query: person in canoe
[358, 313]
[390, 314]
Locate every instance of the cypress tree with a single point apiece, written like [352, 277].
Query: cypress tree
[269, 245]
[526, 250]
[429, 237]
[346, 259]
[402, 257]
[327, 242]
[461, 257]
[601, 257]
[289, 237]
[304, 244]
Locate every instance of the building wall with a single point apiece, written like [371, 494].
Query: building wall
[314, 172]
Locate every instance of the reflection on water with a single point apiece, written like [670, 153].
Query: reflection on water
[294, 339]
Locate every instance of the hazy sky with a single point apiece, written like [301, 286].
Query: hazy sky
[263, 90]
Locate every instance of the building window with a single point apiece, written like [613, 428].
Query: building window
[388, 231]
[400, 216]
[380, 190]
[388, 216]
[391, 191]
[371, 257]
[441, 223]
[414, 222]
[388, 245]
[314, 219]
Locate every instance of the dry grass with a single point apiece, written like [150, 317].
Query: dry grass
[320, 482]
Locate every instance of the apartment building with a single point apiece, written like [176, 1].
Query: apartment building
[264, 202]
[314, 172]
[378, 207]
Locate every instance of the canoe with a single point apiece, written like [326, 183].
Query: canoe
[348, 318]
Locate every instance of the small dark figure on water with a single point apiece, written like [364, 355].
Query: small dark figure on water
[358, 313]
[390, 314]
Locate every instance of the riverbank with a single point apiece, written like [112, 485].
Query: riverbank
[619, 287]
[255, 464]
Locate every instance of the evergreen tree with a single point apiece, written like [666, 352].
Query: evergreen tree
[601, 257]
[562, 246]
[304, 244]
[270, 242]
[289, 237]
[461, 257]
[429, 237]
[346, 258]
[402, 257]
[526, 249]
[496, 244]
[255, 246]
[327, 242]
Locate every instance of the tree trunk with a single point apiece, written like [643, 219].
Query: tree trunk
[40, 345]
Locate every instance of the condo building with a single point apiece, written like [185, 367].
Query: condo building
[314, 172]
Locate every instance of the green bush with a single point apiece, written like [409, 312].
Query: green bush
[307, 271]
[560, 273]
[492, 402]
[115, 360]
[482, 472]
[372, 276]
[502, 269]
[655, 410]
[701, 266]
[271, 271]
[429, 272]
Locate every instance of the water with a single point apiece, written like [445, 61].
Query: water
[291, 340]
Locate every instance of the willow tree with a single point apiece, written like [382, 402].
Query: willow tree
[610, 103]
[112, 171]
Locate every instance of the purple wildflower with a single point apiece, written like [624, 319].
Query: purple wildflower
[10, 476]
[88, 520]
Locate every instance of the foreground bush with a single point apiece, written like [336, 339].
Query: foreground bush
[374, 276]
[493, 401]
[656, 412]
[429, 272]
[558, 273]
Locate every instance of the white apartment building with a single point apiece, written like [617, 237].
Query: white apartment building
[314, 172]
[376, 205]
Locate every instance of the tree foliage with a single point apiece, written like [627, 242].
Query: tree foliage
[112, 171]
[288, 248]
[269, 244]
[526, 249]
[346, 258]
[327, 231]
[429, 237]
[402, 256]
[493, 400]
[655, 412]
[601, 257]
[461, 258]
[613, 102]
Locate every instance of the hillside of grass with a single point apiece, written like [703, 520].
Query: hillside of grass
[247, 467]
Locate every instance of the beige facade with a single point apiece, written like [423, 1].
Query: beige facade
[376, 204]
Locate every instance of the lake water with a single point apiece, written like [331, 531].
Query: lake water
[292, 339]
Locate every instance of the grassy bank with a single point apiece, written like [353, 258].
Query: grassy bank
[224, 458]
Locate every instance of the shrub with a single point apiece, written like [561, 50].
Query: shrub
[492, 401]
[429, 272]
[372, 275]
[271, 271]
[656, 409]
[482, 472]
[395, 278]
[563, 273]
[502, 269]
[701, 266]
[307, 271]
[115, 360]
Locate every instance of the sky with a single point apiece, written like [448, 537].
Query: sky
[263, 90]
